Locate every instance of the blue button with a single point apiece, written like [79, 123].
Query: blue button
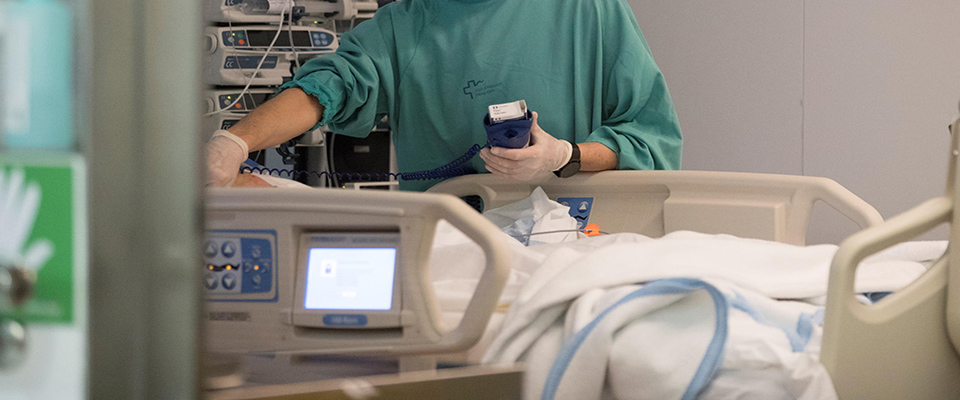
[229, 281]
[256, 280]
[210, 250]
[228, 249]
[247, 266]
[210, 281]
[345, 320]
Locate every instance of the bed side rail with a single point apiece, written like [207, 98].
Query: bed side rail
[900, 347]
[953, 274]
[653, 203]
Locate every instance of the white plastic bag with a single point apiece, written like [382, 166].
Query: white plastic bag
[529, 220]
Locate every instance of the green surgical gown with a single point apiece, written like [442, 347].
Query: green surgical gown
[433, 67]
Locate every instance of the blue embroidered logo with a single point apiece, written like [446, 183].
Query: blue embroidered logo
[468, 90]
[479, 89]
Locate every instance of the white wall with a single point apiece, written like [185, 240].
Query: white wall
[857, 91]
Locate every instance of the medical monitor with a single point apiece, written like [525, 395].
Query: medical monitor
[263, 38]
[348, 280]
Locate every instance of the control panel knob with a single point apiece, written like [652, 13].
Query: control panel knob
[16, 285]
[13, 344]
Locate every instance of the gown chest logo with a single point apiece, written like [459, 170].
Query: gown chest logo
[478, 88]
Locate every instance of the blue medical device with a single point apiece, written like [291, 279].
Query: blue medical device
[511, 133]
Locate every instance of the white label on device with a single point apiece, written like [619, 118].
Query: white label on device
[276, 6]
[506, 111]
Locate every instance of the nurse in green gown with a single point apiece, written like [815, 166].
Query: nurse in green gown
[433, 67]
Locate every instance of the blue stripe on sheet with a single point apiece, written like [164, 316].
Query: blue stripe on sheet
[798, 338]
[805, 325]
[711, 359]
[818, 316]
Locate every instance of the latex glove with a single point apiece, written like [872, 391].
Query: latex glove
[225, 153]
[544, 155]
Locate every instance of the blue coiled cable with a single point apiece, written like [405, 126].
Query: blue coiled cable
[452, 169]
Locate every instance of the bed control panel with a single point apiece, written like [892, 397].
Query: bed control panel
[580, 208]
[240, 265]
[338, 272]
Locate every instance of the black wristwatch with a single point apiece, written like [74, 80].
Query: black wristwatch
[572, 166]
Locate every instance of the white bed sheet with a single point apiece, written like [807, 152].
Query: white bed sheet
[759, 268]
[778, 270]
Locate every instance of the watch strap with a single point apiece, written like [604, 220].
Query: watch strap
[572, 166]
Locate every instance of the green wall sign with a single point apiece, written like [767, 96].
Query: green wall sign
[45, 231]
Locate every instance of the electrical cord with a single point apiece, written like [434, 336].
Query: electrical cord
[452, 169]
[233, 49]
[260, 64]
[560, 231]
[293, 45]
[331, 167]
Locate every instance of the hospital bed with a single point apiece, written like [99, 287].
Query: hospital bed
[902, 347]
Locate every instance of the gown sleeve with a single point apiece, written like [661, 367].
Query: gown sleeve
[356, 84]
[639, 122]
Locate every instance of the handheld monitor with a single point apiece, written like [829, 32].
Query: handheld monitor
[348, 280]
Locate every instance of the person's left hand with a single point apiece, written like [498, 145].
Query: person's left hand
[249, 180]
[544, 155]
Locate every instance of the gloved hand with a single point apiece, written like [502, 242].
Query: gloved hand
[544, 155]
[225, 153]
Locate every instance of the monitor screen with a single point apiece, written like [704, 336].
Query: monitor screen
[350, 278]
[254, 100]
[262, 38]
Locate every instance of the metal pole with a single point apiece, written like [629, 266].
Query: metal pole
[145, 206]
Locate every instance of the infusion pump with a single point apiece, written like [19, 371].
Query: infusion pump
[233, 53]
[229, 10]
[320, 271]
[220, 99]
[225, 99]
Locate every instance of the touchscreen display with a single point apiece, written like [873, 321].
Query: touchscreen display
[262, 38]
[254, 100]
[352, 278]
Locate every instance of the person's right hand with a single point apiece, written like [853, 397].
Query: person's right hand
[225, 153]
